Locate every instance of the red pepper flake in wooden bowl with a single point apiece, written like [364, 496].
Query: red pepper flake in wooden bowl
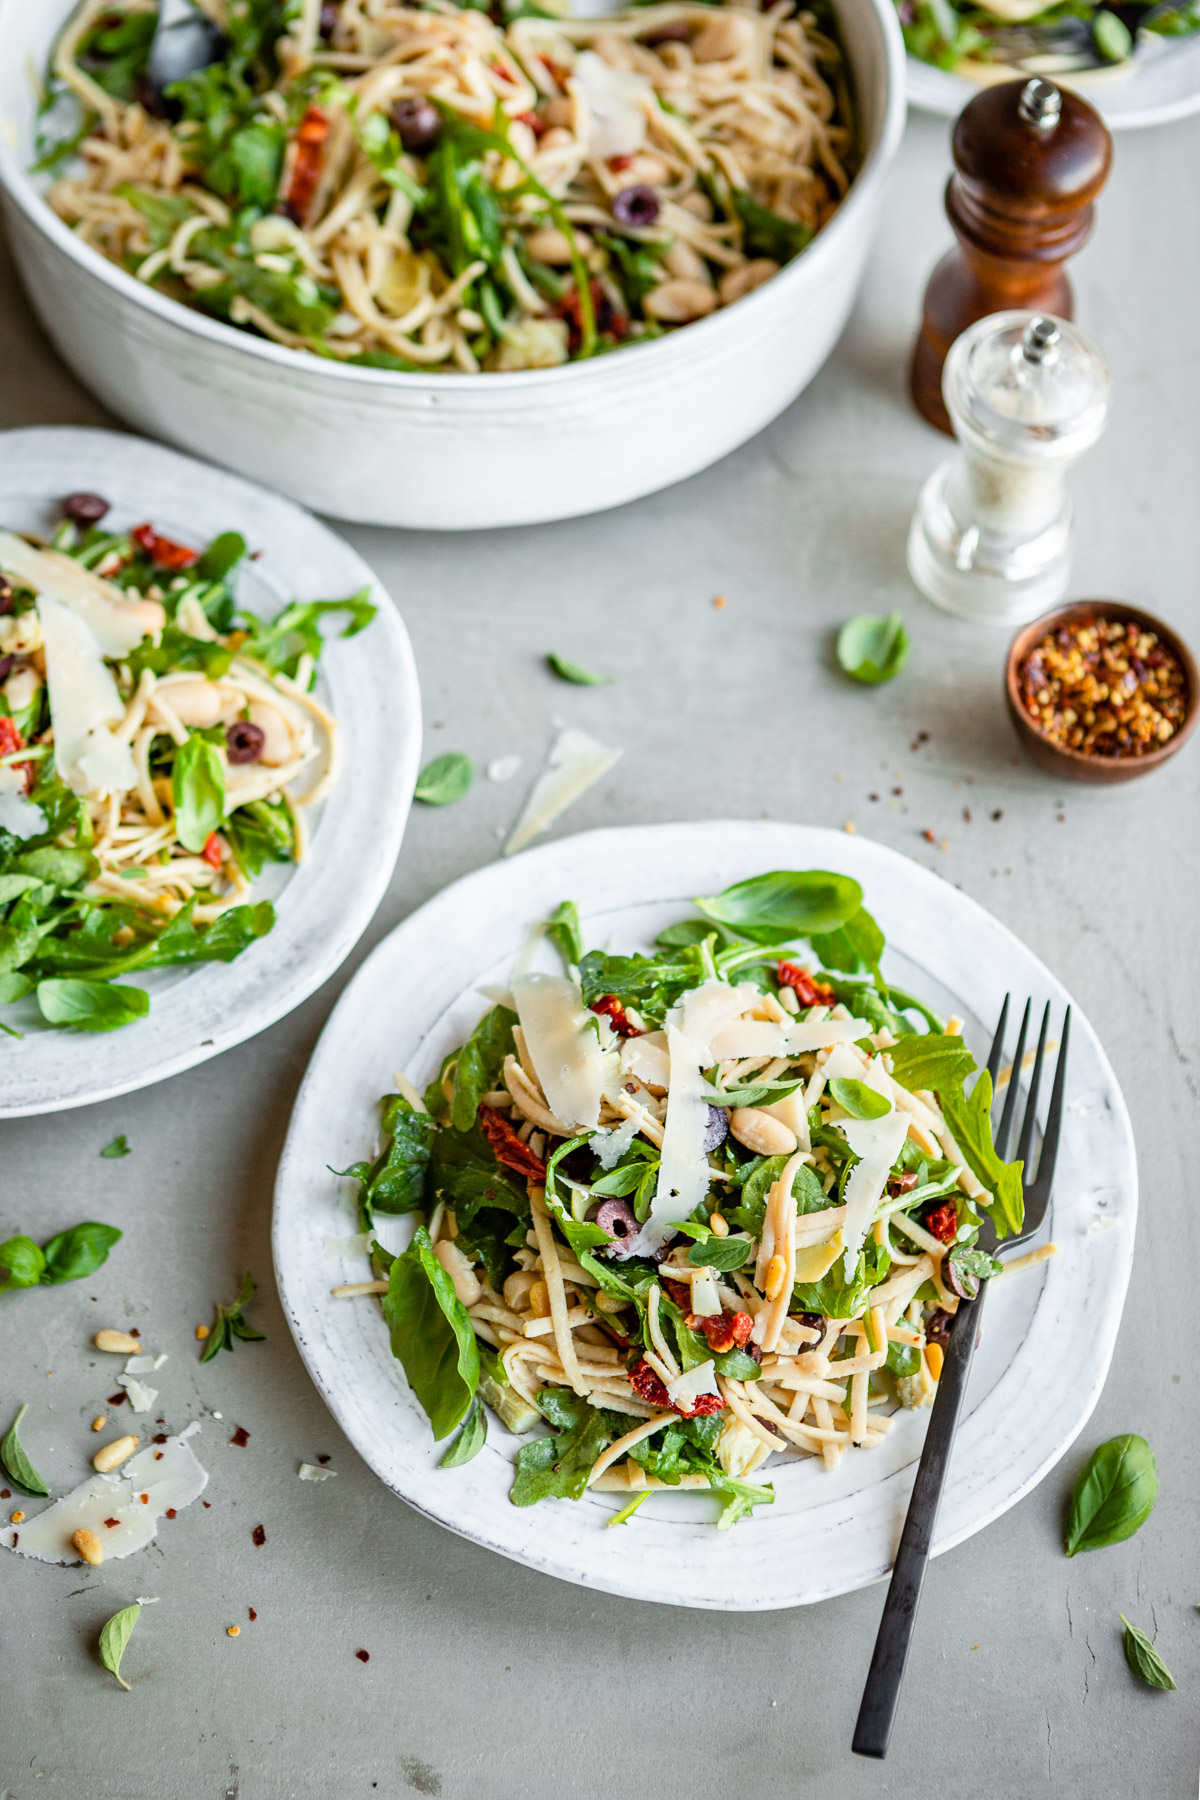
[1106, 687]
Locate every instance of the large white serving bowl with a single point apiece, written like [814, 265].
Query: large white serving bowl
[452, 452]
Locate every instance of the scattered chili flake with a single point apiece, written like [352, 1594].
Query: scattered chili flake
[609, 322]
[872, 796]
[145, 1499]
[324, 1459]
[966, 815]
[720, 602]
[617, 163]
[999, 813]
[171, 1511]
[160, 1437]
[929, 836]
[158, 1456]
[252, 1613]
[507, 1147]
[942, 1221]
[1106, 687]
[5, 1493]
[206, 1504]
[808, 991]
[241, 1437]
[111, 1523]
[363, 1655]
[212, 851]
[306, 158]
[134, 1331]
[117, 1399]
[163, 550]
[259, 1535]
[610, 1008]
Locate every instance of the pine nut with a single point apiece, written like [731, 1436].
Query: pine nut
[608, 1303]
[117, 1343]
[776, 1271]
[719, 1225]
[88, 1546]
[539, 1300]
[233, 1631]
[109, 1455]
[16, 1518]
[935, 1356]
[760, 1132]
[201, 1332]
[99, 1422]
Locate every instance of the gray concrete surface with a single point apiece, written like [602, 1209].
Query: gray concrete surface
[485, 1680]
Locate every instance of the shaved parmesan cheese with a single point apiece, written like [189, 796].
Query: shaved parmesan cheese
[141, 1397]
[135, 1496]
[314, 1472]
[502, 768]
[116, 623]
[706, 1295]
[358, 1245]
[683, 1173]
[144, 1365]
[687, 1388]
[758, 1037]
[646, 1060]
[84, 702]
[575, 762]
[709, 1007]
[561, 1039]
[18, 814]
[610, 1146]
[792, 1112]
[616, 101]
[878, 1142]
[816, 1260]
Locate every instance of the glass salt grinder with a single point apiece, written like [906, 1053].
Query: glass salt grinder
[990, 539]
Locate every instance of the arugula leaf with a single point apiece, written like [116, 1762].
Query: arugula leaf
[21, 1263]
[296, 631]
[767, 233]
[481, 1064]
[118, 1147]
[464, 1172]
[114, 1636]
[565, 933]
[229, 1323]
[1114, 1496]
[395, 1181]
[432, 1336]
[721, 1253]
[651, 983]
[558, 1467]
[470, 1440]
[17, 1465]
[228, 935]
[1144, 1659]
[198, 789]
[809, 1195]
[943, 1063]
[785, 904]
[177, 649]
[871, 649]
[856, 1098]
[259, 832]
[74, 1255]
[570, 671]
[740, 1497]
[444, 780]
[931, 1061]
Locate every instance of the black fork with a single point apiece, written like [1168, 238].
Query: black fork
[882, 1690]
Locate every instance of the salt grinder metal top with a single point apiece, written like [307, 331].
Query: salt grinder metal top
[1030, 159]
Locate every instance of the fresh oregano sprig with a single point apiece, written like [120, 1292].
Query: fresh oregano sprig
[229, 1323]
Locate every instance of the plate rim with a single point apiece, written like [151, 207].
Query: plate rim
[105, 449]
[942, 93]
[1080, 1405]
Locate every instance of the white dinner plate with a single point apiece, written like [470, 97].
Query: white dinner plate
[1047, 1336]
[368, 681]
[1159, 84]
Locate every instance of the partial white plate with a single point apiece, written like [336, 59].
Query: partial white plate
[368, 681]
[1047, 1338]
[1161, 83]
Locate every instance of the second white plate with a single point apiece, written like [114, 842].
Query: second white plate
[1161, 84]
[369, 682]
[1048, 1336]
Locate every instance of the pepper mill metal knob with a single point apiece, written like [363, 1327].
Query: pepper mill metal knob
[1029, 159]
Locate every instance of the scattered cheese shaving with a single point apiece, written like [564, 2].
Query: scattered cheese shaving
[615, 106]
[84, 703]
[141, 1397]
[144, 1365]
[575, 762]
[560, 1035]
[314, 1472]
[683, 1173]
[169, 1477]
[503, 768]
[18, 814]
[358, 1245]
[878, 1143]
[610, 1146]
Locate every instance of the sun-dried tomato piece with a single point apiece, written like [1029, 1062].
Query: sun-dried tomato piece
[647, 1385]
[725, 1331]
[609, 322]
[536, 124]
[706, 1405]
[212, 852]
[615, 1013]
[306, 159]
[808, 991]
[681, 1294]
[163, 550]
[507, 1147]
[10, 740]
[942, 1221]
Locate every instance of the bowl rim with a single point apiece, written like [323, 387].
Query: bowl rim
[1120, 766]
[15, 181]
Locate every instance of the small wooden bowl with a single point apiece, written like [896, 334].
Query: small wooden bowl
[1080, 765]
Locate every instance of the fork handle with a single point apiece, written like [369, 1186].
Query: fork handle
[882, 1691]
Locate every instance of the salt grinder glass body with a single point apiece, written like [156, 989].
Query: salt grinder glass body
[1027, 394]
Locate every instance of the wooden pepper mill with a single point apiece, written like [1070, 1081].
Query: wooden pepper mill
[1030, 159]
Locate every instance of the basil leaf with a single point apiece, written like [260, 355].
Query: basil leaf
[558, 1467]
[14, 987]
[785, 904]
[685, 934]
[871, 649]
[114, 1636]
[1144, 1659]
[737, 1366]
[902, 1359]
[463, 1172]
[198, 788]
[973, 1266]
[720, 1253]
[58, 868]
[17, 1465]
[767, 233]
[21, 1264]
[931, 1061]
[856, 1098]
[570, 671]
[395, 1182]
[470, 1440]
[481, 1064]
[118, 1147]
[857, 945]
[432, 1336]
[225, 552]
[1114, 1495]
[563, 930]
[74, 1255]
[1114, 42]
[444, 780]
[90, 1005]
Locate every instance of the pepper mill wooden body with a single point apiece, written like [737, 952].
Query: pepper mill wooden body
[1030, 159]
